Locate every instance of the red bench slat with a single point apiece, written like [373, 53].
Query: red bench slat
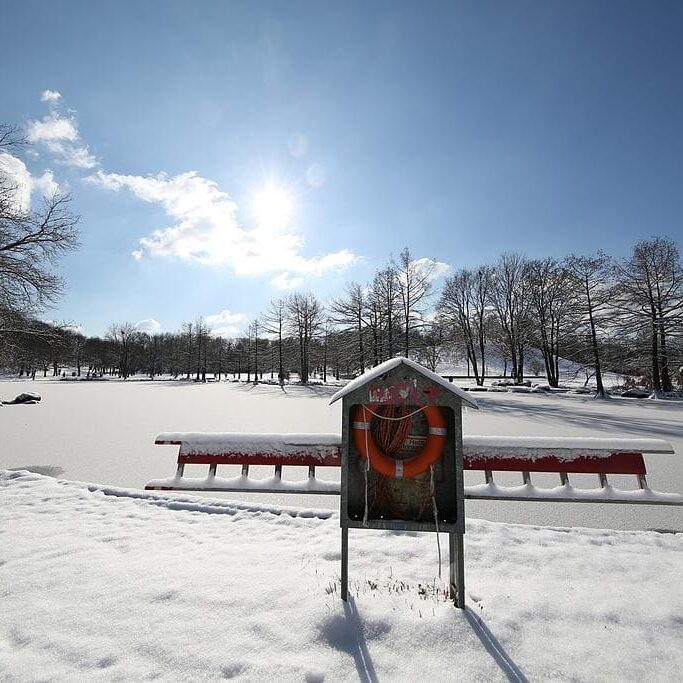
[236, 458]
[616, 463]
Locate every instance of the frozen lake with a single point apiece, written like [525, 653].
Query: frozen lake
[103, 432]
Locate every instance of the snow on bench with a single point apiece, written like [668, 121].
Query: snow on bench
[560, 455]
[307, 450]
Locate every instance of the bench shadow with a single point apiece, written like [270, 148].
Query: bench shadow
[494, 648]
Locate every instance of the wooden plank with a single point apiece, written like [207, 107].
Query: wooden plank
[617, 463]
[303, 458]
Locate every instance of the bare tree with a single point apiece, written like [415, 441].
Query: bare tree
[124, 336]
[31, 243]
[510, 302]
[414, 284]
[550, 295]
[274, 323]
[254, 328]
[649, 297]
[384, 313]
[305, 315]
[591, 286]
[464, 304]
[349, 313]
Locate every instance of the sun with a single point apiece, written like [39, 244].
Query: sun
[272, 207]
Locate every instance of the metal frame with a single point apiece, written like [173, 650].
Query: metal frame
[434, 396]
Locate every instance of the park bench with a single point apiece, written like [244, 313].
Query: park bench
[601, 457]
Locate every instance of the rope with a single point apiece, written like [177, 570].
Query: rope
[432, 491]
[396, 419]
[366, 470]
[392, 429]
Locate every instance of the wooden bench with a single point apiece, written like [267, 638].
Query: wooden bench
[276, 450]
[524, 455]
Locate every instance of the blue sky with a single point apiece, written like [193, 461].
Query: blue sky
[221, 152]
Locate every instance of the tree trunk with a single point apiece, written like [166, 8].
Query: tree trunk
[594, 344]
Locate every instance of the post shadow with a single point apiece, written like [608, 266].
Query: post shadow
[358, 647]
[494, 648]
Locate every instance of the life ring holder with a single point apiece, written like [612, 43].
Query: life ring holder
[399, 469]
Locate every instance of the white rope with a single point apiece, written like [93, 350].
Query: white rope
[366, 470]
[393, 419]
[432, 491]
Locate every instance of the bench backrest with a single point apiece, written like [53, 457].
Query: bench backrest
[615, 463]
[329, 455]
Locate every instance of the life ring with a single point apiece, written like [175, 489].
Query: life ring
[384, 464]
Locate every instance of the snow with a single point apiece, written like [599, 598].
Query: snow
[607, 494]
[105, 583]
[207, 443]
[563, 448]
[242, 483]
[392, 363]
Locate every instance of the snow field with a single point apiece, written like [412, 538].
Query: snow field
[101, 584]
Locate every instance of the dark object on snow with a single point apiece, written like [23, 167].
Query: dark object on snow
[27, 398]
[635, 393]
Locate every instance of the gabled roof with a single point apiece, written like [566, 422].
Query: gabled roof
[394, 363]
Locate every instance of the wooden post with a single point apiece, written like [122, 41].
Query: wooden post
[344, 563]
[456, 555]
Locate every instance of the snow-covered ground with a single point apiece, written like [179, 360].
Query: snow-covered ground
[104, 432]
[105, 582]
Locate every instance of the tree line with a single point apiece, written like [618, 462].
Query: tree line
[623, 316]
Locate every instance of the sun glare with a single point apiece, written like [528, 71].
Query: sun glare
[272, 207]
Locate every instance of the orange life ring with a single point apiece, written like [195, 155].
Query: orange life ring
[389, 467]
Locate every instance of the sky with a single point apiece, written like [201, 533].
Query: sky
[223, 154]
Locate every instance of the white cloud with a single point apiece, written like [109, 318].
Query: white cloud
[50, 96]
[225, 323]
[137, 254]
[18, 175]
[224, 317]
[45, 184]
[435, 269]
[52, 128]
[205, 228]
[150, 326]
[80, 157]
[58, 133]
[15, 172]
[286, 281]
